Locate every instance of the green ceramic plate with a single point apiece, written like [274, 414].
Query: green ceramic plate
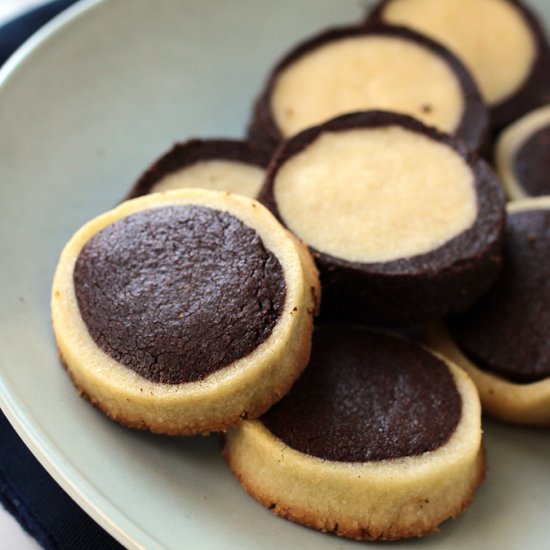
[84, 107]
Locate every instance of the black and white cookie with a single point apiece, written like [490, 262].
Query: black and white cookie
[500, 41]
[355, 69]
[503, 342]
[405, 225]
[378, 440]
[184, 312]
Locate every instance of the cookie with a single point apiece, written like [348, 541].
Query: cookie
[216, 164]
[500, 41]
[378, 440]
[523, 156]
[502, 342]
[353, 69]
[184, 312]
[404, 224]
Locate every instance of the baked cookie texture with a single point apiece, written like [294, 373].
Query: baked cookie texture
[404, 223]
[150, 395]
[502, 343]
[523, 155]
[216, 164]
[431, 474]
[501, 42]
[351, 69]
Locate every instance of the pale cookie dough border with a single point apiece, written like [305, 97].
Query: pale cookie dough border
[527, 404]
[509, 143]
[383, 500]
[246, 388]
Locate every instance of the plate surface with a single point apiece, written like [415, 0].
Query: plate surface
[84, 107]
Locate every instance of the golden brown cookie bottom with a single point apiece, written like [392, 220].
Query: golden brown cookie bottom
[523, 404]
[380, 500]
[373, 533]
[244, 389]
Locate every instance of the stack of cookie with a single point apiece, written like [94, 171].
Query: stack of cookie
[361, 198]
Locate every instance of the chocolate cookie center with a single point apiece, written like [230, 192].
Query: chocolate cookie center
[367, 397]
[179, 292]
[506, 332]
[531, 163]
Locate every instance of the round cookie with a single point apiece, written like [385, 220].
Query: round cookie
[500, 42]
[404, 224]
[378, 440]
[184, 312]
[523, 156]
[356, 69]
[502, 342]
[216, 164]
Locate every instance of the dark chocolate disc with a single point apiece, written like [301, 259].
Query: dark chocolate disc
[183, 156]
[367, 397]
[507, 331]
[406, 289]
[178, 292]
[531, 163]
[512, 71]
[470, 122]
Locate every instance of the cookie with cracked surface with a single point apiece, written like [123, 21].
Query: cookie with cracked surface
[378, 440]
[523, 156]
[501, 42]
[216, 164]
[184, 312]
[353, 69]
[502, 342]
[404, 223]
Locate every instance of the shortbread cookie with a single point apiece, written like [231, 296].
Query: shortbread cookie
[352, 69]
[378, 440]
[404, 223]
[216, 164]
[184, 312]
[500, 42]
[523, 155]
[503, 341]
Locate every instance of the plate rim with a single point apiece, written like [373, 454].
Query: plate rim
[92, 502]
